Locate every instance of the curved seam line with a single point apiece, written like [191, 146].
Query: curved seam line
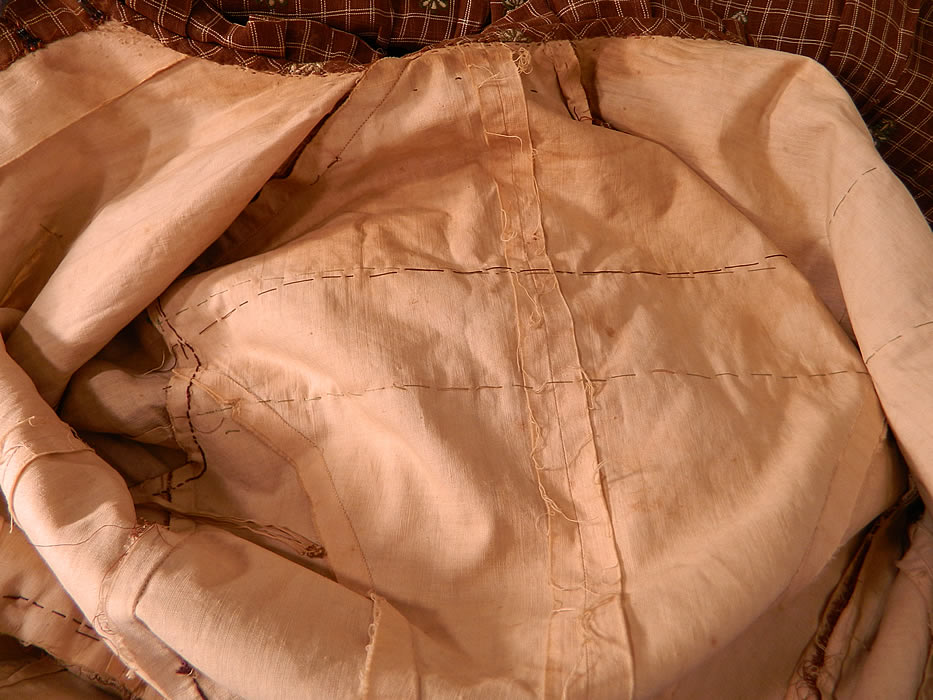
[294, 466]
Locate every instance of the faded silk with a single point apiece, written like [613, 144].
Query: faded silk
[595, 369]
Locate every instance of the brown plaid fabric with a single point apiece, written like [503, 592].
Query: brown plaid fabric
[880, 50]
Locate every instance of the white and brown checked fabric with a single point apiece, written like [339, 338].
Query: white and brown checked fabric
[513, 386]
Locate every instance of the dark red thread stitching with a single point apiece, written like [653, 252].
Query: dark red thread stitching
[37, 604]
[188, 391]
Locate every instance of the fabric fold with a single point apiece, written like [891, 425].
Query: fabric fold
[502, 370]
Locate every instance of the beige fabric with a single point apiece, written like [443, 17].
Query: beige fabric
[26, 672]
[531, 379]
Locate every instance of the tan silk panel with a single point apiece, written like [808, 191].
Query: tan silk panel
[560, 370]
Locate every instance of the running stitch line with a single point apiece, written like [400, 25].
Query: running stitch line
[169, 487]
[897, 337]
[374, 273]
[537, 389]
[37, 604]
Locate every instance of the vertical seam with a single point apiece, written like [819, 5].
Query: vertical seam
[192, 379]
[548, 353]
[516, 292]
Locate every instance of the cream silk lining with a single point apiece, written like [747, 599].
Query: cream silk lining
[562, 370]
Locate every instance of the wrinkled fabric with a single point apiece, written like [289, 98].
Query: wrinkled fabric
[880, 51]
[572, 369]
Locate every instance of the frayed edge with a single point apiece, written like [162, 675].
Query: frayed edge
[371, 647]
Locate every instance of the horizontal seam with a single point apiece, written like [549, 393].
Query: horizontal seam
[375, 273]
[538, 389]
[61, 615]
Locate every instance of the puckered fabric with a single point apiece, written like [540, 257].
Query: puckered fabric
[881, 50]
[576, 369]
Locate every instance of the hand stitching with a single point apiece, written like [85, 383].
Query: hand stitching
[373, 273]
